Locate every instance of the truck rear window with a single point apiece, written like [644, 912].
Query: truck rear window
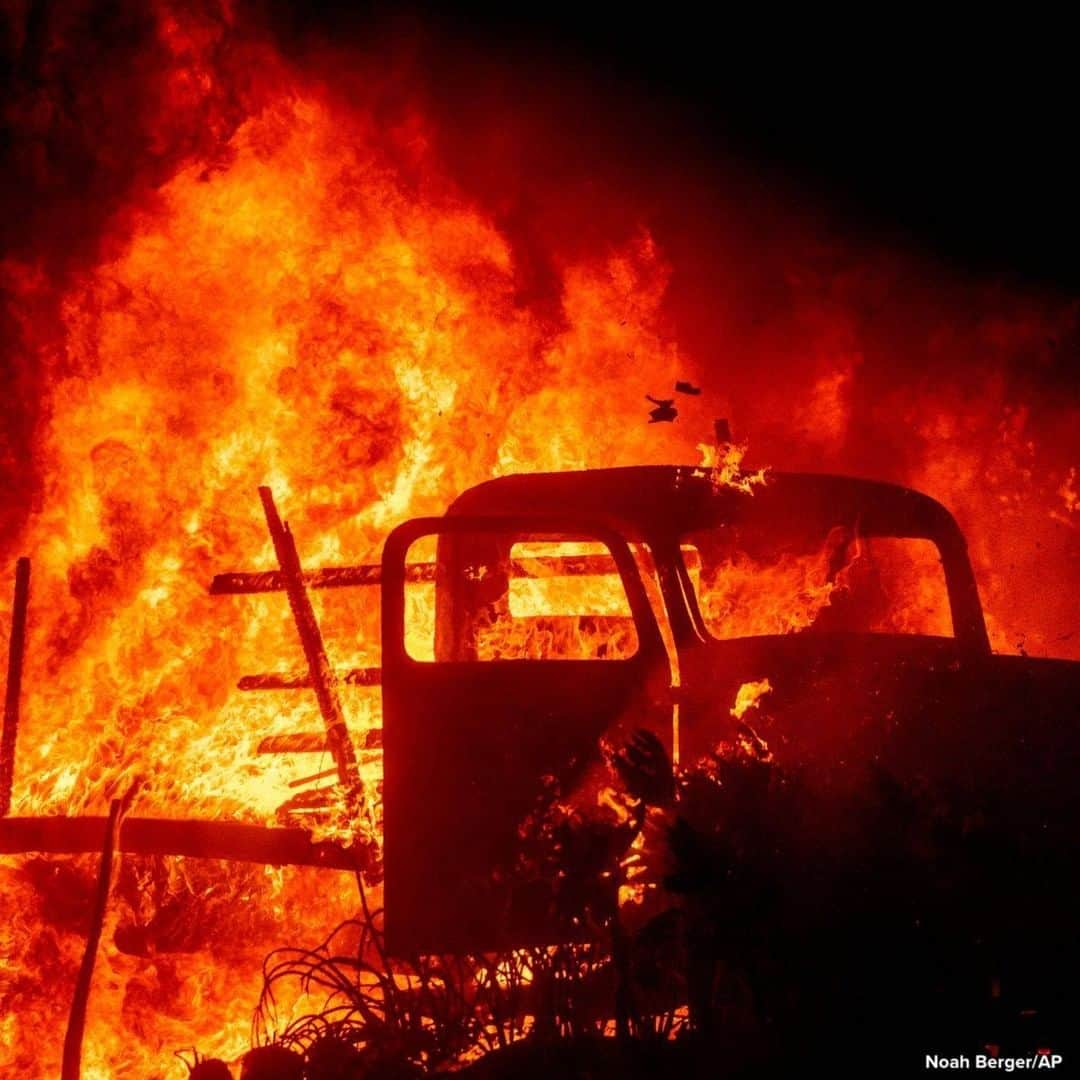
[886, 585]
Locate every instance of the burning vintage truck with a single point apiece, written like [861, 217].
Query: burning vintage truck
[574, 609]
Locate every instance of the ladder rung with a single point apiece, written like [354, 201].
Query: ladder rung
[312, 742]
[337, 577]
[301, 680]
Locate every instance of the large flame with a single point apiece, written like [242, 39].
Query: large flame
[310, 299]
[292, 314]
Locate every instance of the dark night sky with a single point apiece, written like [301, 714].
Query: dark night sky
[950, 139]
[959, 136]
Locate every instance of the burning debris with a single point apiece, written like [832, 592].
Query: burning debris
[13, 691]
[232, 270]
[665, 411]
[591, 820]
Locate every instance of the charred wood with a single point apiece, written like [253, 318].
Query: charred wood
[16, 651]
[194, 839]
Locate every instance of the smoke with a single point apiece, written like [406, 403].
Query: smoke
[829, 347]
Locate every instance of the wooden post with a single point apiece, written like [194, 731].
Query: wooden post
[322, 677]
[16, 650]
[73, 1040]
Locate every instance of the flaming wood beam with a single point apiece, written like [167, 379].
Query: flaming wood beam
[301, 680]
[159, 836]
[302, 780]
[321, 674]
[71, 1066]
[331, 577]
[16, 651]
[311, 742]
[300, 742]
[542, 566]
[336, 577]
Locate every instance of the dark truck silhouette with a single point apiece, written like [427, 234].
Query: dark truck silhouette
[471, 740]
[511, 699]
[884, 851]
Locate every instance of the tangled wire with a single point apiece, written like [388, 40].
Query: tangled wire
[386, 1017]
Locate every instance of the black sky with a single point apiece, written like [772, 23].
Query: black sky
[958, 135]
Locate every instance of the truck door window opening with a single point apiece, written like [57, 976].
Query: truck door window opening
[521, 598]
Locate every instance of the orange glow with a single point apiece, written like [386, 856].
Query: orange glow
[309, 300]
[296, 317]
[749, 697]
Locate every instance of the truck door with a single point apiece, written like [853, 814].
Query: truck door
[542, 642]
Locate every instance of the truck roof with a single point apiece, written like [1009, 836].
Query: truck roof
[649, 500]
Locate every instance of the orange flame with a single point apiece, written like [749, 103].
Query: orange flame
[749, 696]
[308, 300]
[290, 315]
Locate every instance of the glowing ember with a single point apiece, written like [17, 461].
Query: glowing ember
[749, 697]
[723, 464]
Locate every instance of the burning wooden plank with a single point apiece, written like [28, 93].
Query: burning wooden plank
[312, 742]
[72, 1060]
[320, 673]
[330, 577]
[298, 742]
[244, 582]
[162, 836]
[301, 680]
[16, 650]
